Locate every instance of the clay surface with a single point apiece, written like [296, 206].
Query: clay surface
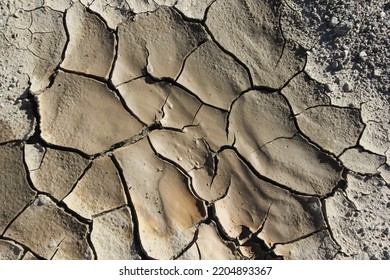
[194, 130]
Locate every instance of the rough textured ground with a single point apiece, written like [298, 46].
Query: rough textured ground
[181, 129]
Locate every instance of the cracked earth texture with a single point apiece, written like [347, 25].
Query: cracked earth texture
[185, 129]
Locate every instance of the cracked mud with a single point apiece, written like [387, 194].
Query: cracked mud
[181, 130]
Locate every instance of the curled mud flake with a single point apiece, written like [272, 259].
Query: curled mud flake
[212, 246]
[10, 250]
[113, 236]
[114, 12]
[91, 45]
[99, 190]
[136, 92]
[324, 248]
[82, 113]
[312, 172]
[215, 77]
[50, 232]
[15, 192]
[254, 204]
[361, 161]
[194, 9]
[213, 132]
[179, 109]
[250, 30]
[166, 210]
[257, 118]
[157, 43]
[342, 123]
[193, 156]
[53, 171]
[302, 92]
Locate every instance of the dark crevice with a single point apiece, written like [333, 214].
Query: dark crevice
[216, 162]
[90, 243]
[24, 253]
[129, 81]
[254, 238]
[45, 144]
[213, 218]
[173, 82]
[350, 201]
[297, 239]
[116, 53]
[328, 105]
[362, 149]
[85, 75]
[295, 75]
[341, 184]
[11, 143]
[136, 228]
[108, 211]
[257, 88]
[63, 54]
[134, 139]
[112, 87]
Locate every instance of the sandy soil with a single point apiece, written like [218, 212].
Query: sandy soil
[182, 129]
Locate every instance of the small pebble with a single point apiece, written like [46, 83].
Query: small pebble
[344, 54]
[347, 87]
[386, 255]
[377, 72]
[343, 28]
[334, 21]
[329, 88]
[362, 54]
[335, 65]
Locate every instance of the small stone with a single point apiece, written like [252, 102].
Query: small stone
[386, 255]
[377, 72]
[334, 21]
[362, 54]
[382, 14]
[335, 65]
[329, 88]
[345, 53]
[343, 28]
[347, 87]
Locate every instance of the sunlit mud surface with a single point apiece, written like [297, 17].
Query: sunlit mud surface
[183, 130]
